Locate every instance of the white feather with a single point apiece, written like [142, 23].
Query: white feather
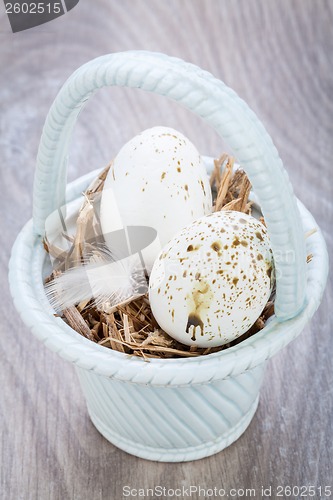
[101, 279]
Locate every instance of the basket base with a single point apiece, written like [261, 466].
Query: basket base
[176, 454]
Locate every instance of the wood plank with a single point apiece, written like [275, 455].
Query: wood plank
[278, 56]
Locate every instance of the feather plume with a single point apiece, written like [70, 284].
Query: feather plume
[100, 277]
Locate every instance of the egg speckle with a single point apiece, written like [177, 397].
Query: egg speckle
[157, 180]
[224, 268]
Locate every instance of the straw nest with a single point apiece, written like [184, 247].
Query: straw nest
[130, 327]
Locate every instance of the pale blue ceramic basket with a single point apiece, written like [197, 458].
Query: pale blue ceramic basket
[175, 409]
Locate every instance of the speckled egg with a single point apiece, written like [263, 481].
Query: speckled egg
[212, 280]
[157, 180]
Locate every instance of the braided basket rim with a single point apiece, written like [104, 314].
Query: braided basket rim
[26, 285]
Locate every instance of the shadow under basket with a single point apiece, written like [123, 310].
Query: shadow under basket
[181, 409]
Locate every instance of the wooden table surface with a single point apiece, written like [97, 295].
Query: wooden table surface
[278, 56]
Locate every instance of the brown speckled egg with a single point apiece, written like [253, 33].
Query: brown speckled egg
[157, 180]
[212, 280]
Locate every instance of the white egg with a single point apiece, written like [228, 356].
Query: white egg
[157, 180]
[212, 280]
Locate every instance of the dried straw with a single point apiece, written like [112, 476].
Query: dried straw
[130, 327]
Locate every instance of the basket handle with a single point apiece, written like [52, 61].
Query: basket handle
[219, 106]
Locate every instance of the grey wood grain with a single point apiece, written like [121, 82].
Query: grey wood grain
[278, 56]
